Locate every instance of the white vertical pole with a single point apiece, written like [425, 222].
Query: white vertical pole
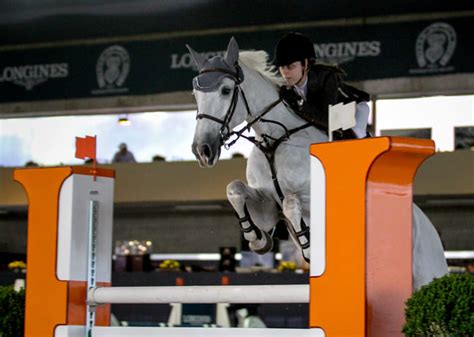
[92, 262]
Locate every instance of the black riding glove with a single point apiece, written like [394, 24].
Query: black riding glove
[291, 98]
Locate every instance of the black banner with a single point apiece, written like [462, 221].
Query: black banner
[366, 52]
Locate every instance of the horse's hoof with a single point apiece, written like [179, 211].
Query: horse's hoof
[262, 246]
[250, 236]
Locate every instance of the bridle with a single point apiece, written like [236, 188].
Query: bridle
[225, 131]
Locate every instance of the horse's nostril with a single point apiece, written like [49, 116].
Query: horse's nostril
[206, 150]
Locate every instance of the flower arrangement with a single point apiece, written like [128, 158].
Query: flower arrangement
[287, 266]
[169, 265]
[17, 265]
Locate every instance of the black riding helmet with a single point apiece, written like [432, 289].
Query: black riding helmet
[293, 47]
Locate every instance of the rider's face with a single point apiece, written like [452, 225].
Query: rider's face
[293, 73]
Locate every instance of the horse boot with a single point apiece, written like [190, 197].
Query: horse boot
[260, 242]
[303, 240]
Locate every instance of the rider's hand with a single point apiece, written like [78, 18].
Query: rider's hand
[290, 97]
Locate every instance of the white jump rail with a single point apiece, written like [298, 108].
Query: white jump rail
[203, 332]
[297, 293]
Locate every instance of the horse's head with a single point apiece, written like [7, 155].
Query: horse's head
[216, 90]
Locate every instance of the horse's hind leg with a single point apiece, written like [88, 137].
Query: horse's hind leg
[292, 210]
[256, 215]
[429, 261]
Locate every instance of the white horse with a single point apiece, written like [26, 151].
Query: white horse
[242, 87]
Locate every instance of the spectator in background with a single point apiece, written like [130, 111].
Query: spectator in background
[31, 163]
[123, 155]
[157, 157]
[237, 155]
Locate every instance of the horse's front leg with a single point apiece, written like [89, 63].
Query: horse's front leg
[292, 209]
[257, 215]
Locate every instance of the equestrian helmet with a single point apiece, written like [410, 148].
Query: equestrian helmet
[293, 47]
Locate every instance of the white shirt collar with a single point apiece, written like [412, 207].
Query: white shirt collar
[302, 89]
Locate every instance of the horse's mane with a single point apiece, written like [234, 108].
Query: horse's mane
[258, 61]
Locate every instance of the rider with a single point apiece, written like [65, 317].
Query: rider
[311, 87]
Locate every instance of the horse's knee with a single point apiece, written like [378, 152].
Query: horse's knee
[237, 194]
[236, 188]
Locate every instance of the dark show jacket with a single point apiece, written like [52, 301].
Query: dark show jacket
[326, 86]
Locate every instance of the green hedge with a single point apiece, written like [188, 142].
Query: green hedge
[443, 308]
[12, 312]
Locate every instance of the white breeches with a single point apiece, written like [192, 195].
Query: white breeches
[362, 118]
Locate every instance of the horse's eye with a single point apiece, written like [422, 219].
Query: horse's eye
[225, 91]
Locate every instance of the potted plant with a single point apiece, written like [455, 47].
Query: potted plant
[442, 308]
[17, 266]
[12, 312]
[170, 265]
[287, 266]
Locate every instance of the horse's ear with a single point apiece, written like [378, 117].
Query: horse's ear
[232, 53]
[198, 59]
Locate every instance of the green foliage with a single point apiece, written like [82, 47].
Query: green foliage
[12, 312]
[443, 308]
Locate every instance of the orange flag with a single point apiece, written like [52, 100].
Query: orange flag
[86, 147]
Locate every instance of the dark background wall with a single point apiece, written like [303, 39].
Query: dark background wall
[455, 224]
[186, 232]
[205, 231]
